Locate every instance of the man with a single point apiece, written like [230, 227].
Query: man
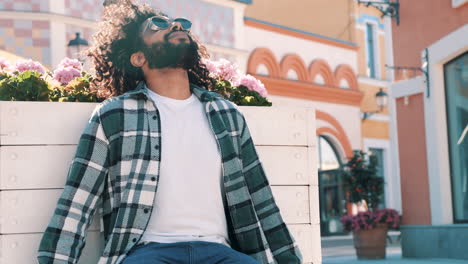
[170, 166]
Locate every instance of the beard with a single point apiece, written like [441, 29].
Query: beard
[169, 55]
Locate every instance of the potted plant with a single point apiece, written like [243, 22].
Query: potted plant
[364, 187]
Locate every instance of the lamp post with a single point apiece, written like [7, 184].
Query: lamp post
[381, 99]
[77, 43]
[389, 8]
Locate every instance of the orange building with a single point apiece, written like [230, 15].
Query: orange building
[329, 55]
[431, 98]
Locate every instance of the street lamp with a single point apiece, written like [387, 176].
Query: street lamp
[389, 8]
[381, 99]
[77, 43]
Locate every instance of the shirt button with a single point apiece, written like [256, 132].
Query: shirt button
[155, 117]
[134, 240]
[153, 178]
[146, 210]
[156, 147]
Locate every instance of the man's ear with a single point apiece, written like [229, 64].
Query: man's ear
[137, 59]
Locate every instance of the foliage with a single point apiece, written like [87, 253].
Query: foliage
[389, 218]
[76, 90]
[361, 180]
[240, 95]
[29, 81]
[23, 86]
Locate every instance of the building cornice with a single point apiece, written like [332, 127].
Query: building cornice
[252, 22]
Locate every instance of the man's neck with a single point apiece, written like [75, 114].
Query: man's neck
[169, 82]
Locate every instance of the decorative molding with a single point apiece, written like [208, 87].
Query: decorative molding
[277, 83]
[345, 72]
[370, 18]
[294, 62]
[321, 67]
[310, 91]
[252, 22]
[338, 132]
[266, 57]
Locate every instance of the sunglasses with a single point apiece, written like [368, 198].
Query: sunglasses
[159, 23]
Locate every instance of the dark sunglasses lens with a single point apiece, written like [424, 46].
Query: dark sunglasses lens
[186, 24]
[160, 22]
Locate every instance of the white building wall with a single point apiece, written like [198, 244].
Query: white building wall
[348, 116]
[308, 50]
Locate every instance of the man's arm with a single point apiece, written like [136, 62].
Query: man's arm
[282, 244]
[64, 237]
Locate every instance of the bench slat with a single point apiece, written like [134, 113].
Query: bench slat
[22, 248]
[48, 165]
[29, 211]
[63, 122]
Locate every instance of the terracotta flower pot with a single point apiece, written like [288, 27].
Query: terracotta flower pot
[370, 244]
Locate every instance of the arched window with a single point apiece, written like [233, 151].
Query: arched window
[331, 192]
[327, 155]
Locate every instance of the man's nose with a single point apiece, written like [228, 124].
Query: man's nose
[176, 26]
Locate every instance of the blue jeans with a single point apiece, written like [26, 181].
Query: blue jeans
[190, 252]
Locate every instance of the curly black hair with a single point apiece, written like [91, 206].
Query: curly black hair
[117, 38]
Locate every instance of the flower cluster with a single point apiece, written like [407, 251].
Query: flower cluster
[5, 66]
[29, 65]
[242, 89]
[222, 69]
[252, 83]
[29, 81]
[389, 218]
[68, 69]
[73, 63]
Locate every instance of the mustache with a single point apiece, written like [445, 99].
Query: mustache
[166, 37]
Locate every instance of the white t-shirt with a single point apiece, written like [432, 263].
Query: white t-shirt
[189, 197]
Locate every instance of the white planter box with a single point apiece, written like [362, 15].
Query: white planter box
[38, 141]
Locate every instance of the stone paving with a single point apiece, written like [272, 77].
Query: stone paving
[340, 250]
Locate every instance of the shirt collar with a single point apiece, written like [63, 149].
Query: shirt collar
[201, 93]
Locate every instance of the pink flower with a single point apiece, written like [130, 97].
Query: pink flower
[29, 65]
[67, 62]
[252, 84]
[228, 71]
[5, 66]
[222, 69]
[370, 219]
[211, 66]
[65, 75]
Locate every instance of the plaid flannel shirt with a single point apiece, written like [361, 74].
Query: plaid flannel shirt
[115, 170]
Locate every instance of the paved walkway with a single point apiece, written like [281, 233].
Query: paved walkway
[391, 259]
[340, 250]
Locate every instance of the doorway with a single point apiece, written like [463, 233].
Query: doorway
[331, 190]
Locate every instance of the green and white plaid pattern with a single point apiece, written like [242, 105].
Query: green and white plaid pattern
[116, 168]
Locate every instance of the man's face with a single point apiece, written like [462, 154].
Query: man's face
[169, 45]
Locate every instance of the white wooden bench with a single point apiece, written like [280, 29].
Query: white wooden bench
[38, 141]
